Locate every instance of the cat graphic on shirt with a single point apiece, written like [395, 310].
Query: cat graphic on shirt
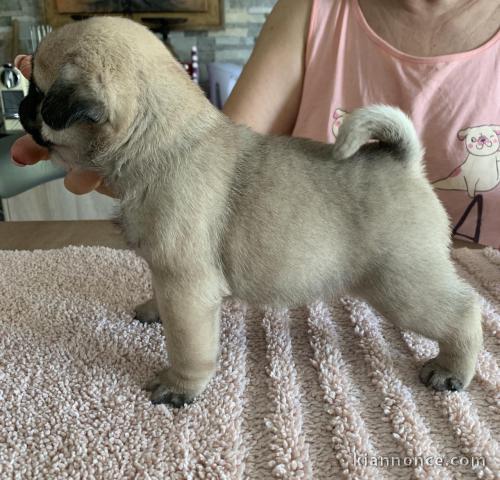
[480, 171]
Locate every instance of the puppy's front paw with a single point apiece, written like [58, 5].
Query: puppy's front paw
[439, 378]
[167, 388]
[161, 393]
[147, 312]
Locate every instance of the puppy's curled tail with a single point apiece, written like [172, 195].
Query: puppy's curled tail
[388, 125]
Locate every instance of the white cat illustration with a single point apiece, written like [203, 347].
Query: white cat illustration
[480, 172]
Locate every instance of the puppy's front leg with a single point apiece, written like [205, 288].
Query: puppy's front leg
[190, 315]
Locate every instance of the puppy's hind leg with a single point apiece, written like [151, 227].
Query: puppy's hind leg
[460, 340]
[429, 298]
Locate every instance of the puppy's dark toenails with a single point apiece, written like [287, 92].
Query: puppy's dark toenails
[454, 384]
[439, 378]
[147, 312]
[146, 319]
[177, 400]
[160, 393]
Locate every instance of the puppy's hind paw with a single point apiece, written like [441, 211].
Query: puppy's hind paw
[439, 378]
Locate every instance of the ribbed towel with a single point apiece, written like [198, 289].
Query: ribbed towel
[321, 392]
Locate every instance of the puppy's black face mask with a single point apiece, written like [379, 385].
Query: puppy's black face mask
[28, 114]
[67, 102]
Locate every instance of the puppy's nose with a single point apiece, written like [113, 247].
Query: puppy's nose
[28, 114]
[30, 122]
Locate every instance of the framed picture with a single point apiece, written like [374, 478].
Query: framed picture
[130, 6]
[177, 14]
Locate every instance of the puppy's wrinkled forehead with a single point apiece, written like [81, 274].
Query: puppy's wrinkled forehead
[100, 72]
[83, 72]
[101, 45]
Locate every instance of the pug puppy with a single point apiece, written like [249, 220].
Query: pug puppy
[216, 209]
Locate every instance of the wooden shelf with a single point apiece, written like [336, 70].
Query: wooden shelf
[210, 19]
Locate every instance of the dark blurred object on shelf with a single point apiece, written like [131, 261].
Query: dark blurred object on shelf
[193, 67]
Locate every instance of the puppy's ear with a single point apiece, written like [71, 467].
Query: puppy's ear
[68, 102]
[463, 133]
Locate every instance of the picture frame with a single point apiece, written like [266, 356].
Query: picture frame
[183, 14]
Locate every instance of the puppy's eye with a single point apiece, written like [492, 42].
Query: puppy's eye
[473, 139]
[38, 91]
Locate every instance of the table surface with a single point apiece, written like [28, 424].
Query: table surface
[48, 235]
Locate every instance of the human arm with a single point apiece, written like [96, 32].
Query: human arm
[267, 95]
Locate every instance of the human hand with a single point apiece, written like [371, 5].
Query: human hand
[25, 151]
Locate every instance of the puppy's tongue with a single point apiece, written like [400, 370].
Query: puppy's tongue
[25, 151]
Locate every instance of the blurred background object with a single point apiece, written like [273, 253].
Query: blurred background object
[13, 86]
[37, 32]
[222, 78]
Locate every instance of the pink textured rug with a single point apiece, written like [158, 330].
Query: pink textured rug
[322, 392]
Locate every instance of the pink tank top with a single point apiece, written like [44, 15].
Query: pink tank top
[454, 101]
